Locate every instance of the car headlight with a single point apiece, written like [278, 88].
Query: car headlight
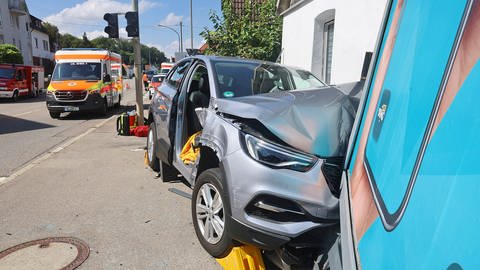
[277, 156]
[94, 91]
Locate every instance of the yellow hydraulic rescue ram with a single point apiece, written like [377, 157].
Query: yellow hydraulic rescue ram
[243, 258]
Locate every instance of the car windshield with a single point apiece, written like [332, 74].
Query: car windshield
[157, 79]
[76, 71]
[7, 73]
[236, 79]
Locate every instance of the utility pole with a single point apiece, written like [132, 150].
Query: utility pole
[191, 26]
[181, 36]
[137, 69]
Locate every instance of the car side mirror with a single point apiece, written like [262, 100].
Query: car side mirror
[107, 78]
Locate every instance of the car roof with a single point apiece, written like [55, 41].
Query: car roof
[210, 58]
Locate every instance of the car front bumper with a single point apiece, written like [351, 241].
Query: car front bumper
[270, 207]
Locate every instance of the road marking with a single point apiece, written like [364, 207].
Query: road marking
[29, 112]
[48, 154]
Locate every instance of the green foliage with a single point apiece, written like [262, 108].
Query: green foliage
[53, 34]
[10, 54]
[256, 33]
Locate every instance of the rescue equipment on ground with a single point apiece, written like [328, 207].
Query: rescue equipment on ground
[126, 122]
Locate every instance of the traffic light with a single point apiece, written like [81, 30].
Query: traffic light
[132, 24]
[112, 28]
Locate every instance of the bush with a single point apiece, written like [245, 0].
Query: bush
[10, 54]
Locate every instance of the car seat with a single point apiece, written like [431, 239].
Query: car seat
[198, 97]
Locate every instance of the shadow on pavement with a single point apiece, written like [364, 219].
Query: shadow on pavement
[13, 124]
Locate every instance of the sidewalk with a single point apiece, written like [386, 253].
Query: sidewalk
[99, 190]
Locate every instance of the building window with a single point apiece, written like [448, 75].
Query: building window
[20, 44]
[327, 50]
[17, 22]
[14, 43]
[36, 42]
[45, 45]
[1, 19]
[322, 50]
[2, 39]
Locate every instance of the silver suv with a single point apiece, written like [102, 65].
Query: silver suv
[272, 141]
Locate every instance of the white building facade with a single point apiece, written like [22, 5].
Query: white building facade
[330, 37]
[15, 27]
[42, 52]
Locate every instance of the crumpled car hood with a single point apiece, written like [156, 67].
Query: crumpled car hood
[314, 121]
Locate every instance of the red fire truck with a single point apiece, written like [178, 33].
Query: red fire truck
[20, 80]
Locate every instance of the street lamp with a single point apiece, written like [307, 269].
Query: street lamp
[179, 39]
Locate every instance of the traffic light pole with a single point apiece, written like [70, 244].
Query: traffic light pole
[138, 71]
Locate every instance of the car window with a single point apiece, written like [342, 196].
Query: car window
[177, 75]
[236, 79]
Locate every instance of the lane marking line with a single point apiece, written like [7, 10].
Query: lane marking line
[24, 113]
[48, 154]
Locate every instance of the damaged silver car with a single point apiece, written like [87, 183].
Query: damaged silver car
[261, 145]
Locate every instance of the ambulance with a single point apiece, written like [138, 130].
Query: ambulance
[85, 80]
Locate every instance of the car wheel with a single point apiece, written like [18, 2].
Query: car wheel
[209, 211]
[103, 110]
[117, 105]
[15, 96]
[151, 148]
[54, 115]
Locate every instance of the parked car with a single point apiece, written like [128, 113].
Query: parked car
[272, 139]
[154, 84]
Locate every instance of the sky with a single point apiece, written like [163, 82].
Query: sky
[86, 16]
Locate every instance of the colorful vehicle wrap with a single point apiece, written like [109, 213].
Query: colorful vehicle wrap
[410, 190]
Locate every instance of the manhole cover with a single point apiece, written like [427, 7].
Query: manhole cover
[53, 253]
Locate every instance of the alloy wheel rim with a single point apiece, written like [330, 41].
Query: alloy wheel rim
[150, 145]
[209, 213]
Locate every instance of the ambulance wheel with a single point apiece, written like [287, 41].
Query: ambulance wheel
[54, 115]
[103, 110]
[209, 213]
[152, 159]
[15, 96]
[117, 105]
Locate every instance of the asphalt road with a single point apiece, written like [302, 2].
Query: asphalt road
[94, 186]
[27, 131]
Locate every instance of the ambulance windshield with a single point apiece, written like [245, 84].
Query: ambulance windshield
[77, 71]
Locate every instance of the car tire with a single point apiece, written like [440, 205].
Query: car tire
[117, 105]
[54, 115]
[15, 96]
[103, 110]
[152, 158]
[210, 210]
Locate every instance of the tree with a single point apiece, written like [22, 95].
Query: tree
[53, 34]
[256, 32]
[10, 54]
